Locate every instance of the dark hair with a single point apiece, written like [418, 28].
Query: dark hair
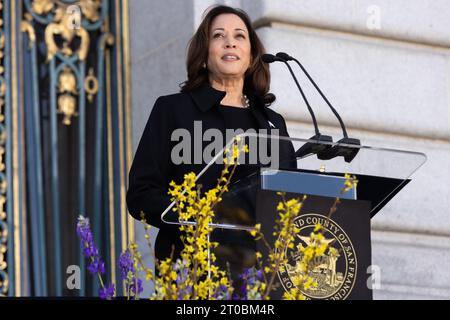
[257, 77]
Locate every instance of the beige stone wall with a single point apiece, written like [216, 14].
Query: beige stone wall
[392, 87]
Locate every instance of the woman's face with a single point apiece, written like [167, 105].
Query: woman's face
[229, 51]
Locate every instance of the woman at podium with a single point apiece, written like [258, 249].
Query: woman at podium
[227, 87]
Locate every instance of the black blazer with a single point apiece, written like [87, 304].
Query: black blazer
[152, 168]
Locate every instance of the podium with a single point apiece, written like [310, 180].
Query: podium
[253, 198]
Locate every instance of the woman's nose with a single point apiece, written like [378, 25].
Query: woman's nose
[229, 43]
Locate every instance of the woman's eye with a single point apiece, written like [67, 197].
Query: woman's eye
[217, 35]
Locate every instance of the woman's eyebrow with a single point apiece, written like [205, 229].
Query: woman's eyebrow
[222, 29]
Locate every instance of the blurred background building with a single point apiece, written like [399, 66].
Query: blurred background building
[65, 146]
[78, 80]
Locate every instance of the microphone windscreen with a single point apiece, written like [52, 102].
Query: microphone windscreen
[268, 58]
[284, 56]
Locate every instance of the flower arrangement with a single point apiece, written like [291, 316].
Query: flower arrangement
[96, 265]
[194, 275]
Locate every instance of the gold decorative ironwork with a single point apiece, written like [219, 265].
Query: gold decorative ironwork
[26, 26]
[67, 107]
[17, 206]
[60, 34]
[67, 81]
[123, 208]
[4, 279]
[2, 85]
[91, 85]
[63, 26]
[69, 46]
[67, 86]
[127, 60]
[42, 6]
[89, 8]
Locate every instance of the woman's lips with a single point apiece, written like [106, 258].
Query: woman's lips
[230, 57]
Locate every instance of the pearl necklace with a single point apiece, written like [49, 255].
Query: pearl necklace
[246, 102]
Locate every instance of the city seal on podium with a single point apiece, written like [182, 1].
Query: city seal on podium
[335, 272]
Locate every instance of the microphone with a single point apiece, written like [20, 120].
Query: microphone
[348, 153]
[309, 147]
